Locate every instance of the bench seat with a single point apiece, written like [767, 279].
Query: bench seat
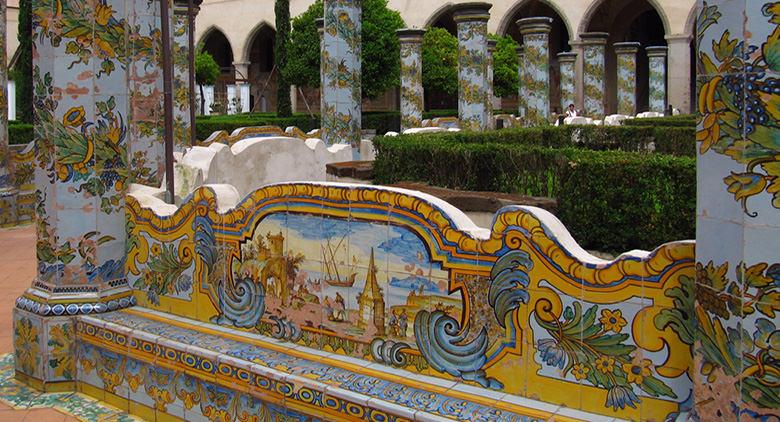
[171, 366]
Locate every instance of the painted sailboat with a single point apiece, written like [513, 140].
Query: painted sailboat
[332, 275]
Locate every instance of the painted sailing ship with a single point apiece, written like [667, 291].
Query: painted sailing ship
[332, 275]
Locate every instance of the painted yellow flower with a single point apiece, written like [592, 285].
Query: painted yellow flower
[743, 185]
[60, 349]
[637, 370]
[580, 371]
[114, 134]
[612, 320]
[74, 117]
[712, 111]
[26, 343]
[103, 14]
[155, 250]
[605, 364]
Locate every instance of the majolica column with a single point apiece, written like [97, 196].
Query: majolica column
[656, 57]
[7, 188]
[472, 19]
[734, 333]
[536, 35]
[81, 178]
[626, 76]
[566, 62]
[341, 89]
[411, 78]
[180, 49]
[491, 49]
[521, 78]
[594, 78]
[320, 23]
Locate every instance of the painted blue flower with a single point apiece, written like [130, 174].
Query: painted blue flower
[767, 337]
[551, 353]
[621, 396]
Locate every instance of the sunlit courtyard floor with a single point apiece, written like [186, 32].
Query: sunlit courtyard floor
[17, 402]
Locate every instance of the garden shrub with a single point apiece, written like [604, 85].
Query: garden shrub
[610, 200]
[20, 133]
[685, 120]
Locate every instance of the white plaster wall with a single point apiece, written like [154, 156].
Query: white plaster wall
[255, 162]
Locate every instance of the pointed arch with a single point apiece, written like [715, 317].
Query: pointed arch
[261, 27]
[218, 45]
[508, 20]
[587, 17]
[438, 14]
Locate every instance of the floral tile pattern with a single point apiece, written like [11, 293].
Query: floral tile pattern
[656, 57]
[626, 77]
[472, 69]
[567, 62]
[341, 87]
[735, 336]
[594, 77]
[7, 189]
[536, 72]
[411, 79]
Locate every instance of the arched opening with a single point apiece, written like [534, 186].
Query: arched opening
[559, 42]
[436, 100]
[216, 43]
[262, 76]
[636, 21]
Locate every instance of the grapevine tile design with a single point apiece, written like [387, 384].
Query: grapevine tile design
[341, 71]
[626, 77]
[594, 79]
[568, 75]
[657, 63]
[536, 71]
[412, 103]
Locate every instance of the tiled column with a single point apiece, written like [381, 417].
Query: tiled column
[521, 78]
[566, 62]
[491, 49]
[7, 188]
[81, 177]
[472, 19]
[594, 77]
[736, 314]
[536, 39]
[320, 23]
[626, 76]
[656, 57]
[341, 115]
[412, 104]
[180, 48]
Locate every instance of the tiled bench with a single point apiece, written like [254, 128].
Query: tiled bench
[184, 369]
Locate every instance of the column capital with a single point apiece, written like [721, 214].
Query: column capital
[626, 47]
[470, 12]
[567, 56]
[535, 25]
[657, 51]
[679, 38]
[410, 35]
[594, 38]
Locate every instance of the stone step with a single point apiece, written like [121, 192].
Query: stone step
[276, 373]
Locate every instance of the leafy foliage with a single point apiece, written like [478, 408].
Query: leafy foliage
[505, 76]
[206, 73]
[380, 70]
[22, 71]
[440, 61]
[283, 103]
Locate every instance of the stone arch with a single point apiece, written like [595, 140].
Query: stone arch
[439, 14]
[508, 20]
[210, 41]
[258, 55]
[587, 17]
[246, 49]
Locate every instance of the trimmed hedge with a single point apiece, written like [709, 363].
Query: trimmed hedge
[20, 133]
[678, 141]
[683, 120]
[609, 200]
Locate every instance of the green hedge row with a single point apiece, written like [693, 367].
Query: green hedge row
[19, 133]
[678, 141]
[683, 120]
[609, 200]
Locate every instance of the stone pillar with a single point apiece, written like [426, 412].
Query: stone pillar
[736, 325]
[536, 39]
[81, 176]
[491, 49]
[594, 77]
[626, 77]
[241, 72]
[7, 189]
[656, 57]
[341, 115]
[472, 19]
[412, 104]
[679, 73]
[567, 61]
[182, 95]
[521, 78]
